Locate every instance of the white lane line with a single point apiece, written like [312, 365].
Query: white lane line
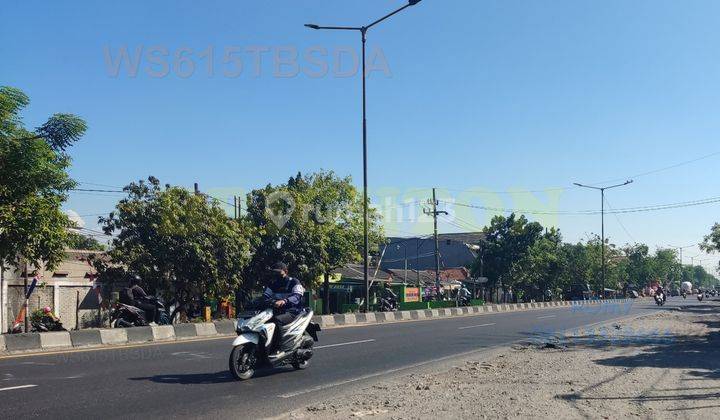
[17, 387]
[475, 326]
[344, 344]
[546, 316]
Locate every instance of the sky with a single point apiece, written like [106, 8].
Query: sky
[499, 104]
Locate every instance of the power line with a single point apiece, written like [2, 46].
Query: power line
[93, 190]
[99, 185]
[638, 209]
[666, 168]
[619, 221]
[557, 188]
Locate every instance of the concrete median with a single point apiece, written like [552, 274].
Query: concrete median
[113, 336]
[225, 326]
[163, 333]
[139, 334]
[22, 342]
[85, 338]
[54, 340]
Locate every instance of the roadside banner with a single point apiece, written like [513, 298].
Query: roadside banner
[412, 294]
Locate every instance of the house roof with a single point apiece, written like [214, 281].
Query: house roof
[412, 276]
[458, 273]
[464, 237]
[355, 272]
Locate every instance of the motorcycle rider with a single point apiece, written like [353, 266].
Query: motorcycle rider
[389, 295]
[287, 293]
[661, 290]
[134, 295]
[464, 294]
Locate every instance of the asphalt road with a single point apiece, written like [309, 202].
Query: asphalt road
[190, 379]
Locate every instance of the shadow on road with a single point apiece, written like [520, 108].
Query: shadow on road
[190, 378]
[204, 378]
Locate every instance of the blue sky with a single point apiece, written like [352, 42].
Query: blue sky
[492, 96]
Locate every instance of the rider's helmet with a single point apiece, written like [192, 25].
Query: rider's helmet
[47, 310]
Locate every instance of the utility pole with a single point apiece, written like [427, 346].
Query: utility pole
[26, 302]
[602, 222]
[197, 189]
[2, 297]
[434, 214]
[362, 30]
[235, 206]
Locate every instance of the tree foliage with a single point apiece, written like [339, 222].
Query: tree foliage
[33, 182]
[82, 242]
[530, 260]
[175, 240]
[313, 223]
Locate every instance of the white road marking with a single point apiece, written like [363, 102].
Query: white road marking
[344, 344]
[546, 316]
[17, 387]
[475, 326]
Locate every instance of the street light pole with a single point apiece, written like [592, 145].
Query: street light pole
[602, 222]
[363, 34]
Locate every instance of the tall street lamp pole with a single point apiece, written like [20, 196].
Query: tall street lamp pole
[363, 32]
[602, 222]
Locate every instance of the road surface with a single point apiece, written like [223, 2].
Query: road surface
[191, 379]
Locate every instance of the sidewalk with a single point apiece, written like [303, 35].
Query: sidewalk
[666, 365]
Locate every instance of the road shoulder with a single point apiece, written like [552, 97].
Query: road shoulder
[664, 365]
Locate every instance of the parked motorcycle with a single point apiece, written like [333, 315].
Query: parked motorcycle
[125, 316]
[388, 304]
[253, 348]
[700, 296]
[46, 324]
[463, 301]
[684, 295]
[660, 299]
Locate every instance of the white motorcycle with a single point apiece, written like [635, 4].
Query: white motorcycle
[254, 347]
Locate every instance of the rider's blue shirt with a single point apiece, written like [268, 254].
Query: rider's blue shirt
[287, 288]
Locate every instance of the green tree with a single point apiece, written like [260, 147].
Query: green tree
[638, 268]
[33, 182]
[176, 241]
[87, 243]
[507, 243]
[313, 223]
[711, 242]
[542, 266]
[665, 267]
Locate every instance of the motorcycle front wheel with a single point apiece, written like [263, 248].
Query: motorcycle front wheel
[242, 362]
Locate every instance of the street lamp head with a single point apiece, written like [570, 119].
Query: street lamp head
[413, 2]
[312, 26]
[578, 184]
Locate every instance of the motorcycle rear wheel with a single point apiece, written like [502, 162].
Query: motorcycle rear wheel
[300, 365]
[242, 362]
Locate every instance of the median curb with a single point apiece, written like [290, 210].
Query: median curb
[85, 338]
[31, 343]
[54, 340]
[22, 342]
